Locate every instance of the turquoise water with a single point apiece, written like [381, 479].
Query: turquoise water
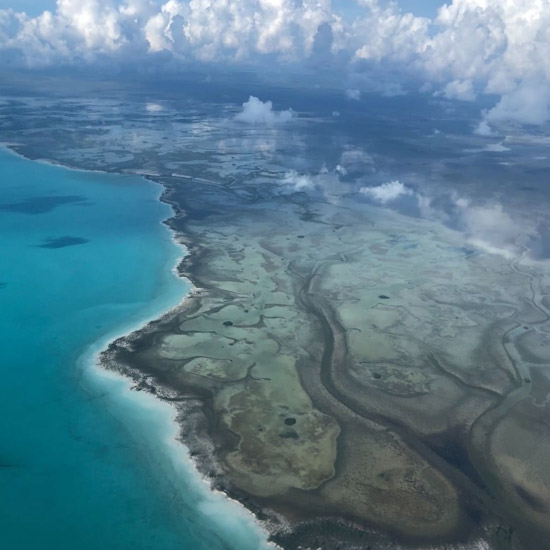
[84, 463]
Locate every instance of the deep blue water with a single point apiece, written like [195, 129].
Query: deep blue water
[84, 463]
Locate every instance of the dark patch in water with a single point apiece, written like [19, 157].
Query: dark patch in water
[62, 242]
[228, 323]
[290, 421]
[289, 434]
[450, 447]
[383, 297]
[41, 205]
[2, 285]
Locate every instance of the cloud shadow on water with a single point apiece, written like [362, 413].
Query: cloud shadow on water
[41, 205]
[62, 242]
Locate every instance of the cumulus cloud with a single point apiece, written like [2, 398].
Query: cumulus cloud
[198, 29]
[341, 170]
[483, 129]
[472, 46]
[385, 33]
[503, 46]
[487, 226]
[294, 182]
[256, 111]
[387, 192]
[490, 228]
[462, 90]
[325, 182]
[77, 31]
[528, 103]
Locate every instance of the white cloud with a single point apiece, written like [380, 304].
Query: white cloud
[256, 111]
[295, 182]
[483, 129]
[154, 108]
[495, 47]
[241, 28]
[490, 148]
[384, 33]
[504, 46]
[201, 29]
[486, 226]
[353, 94]
[497, 148]
[492, 229]
[161, 29]
[387, 192]
[341, 170]
[528, 103]
[462, 90]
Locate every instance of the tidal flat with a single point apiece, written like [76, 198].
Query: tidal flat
[359, 373]
[339, 377]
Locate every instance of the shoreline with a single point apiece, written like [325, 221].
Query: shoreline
[324, 529]
[96, 370]
[91, 363]
[203, 445]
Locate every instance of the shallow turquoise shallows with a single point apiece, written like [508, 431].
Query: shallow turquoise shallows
[86, 464]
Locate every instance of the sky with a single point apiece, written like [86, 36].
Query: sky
[462, 50]
[426, 8]
[32, 7]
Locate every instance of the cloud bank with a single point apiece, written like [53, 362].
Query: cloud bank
[471, 47]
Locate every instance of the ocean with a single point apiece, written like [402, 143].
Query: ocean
[84, 462]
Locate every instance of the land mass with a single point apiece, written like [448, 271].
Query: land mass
[357, 378]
